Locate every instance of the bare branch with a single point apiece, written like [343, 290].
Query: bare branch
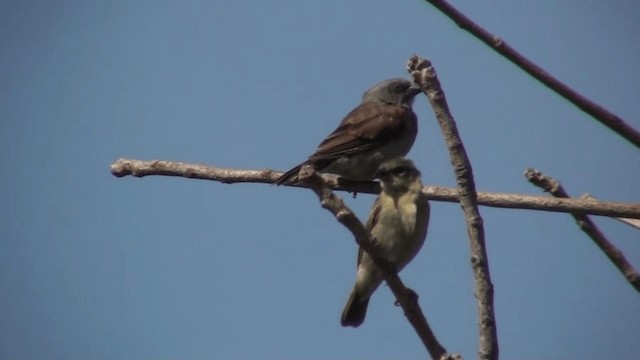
[598, 112]
[631, 222]
[404, 296]
[425, 75]
[140, 168]
[616, 256]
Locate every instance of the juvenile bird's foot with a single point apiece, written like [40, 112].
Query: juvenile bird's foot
[412, 294]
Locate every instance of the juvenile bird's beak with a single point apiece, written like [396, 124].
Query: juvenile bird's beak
[379, 174]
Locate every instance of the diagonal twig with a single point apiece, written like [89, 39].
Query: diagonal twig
[424, 74]
[346, 217]
[607, 118]
[141, 168]
[616, 256]
[631, 222]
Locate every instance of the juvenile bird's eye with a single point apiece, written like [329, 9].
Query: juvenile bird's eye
[400, 171]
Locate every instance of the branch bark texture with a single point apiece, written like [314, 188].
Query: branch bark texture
[598, 112]
[141, 168]
[425, 75]
[631, 222]
[616, 256]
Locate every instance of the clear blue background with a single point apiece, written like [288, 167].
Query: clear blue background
[96, 267]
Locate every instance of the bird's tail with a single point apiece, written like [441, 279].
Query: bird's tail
[289, 175]
[355, 310]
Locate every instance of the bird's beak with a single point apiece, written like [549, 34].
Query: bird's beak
[414, 89]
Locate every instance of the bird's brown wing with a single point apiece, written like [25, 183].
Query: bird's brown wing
[371, 222]
[365, 127]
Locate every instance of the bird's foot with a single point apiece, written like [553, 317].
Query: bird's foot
[412, 296]
[348, 184]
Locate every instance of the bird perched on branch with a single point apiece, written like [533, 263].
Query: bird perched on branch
[381, 128]
[398, 224]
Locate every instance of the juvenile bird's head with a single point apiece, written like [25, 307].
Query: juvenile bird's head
[395, 91]
[398, 176]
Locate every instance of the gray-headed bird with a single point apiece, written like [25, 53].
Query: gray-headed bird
[381, 128]
[398, 224]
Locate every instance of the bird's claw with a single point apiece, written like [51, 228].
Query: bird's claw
[411, 294]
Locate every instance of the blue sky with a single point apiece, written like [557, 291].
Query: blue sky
[96, 267]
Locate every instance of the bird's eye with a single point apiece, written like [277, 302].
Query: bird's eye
[400, 171]
[397, 86]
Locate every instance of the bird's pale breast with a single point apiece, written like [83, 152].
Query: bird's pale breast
[398, 223]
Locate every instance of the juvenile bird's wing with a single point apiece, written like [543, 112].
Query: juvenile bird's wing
[366, 127]
[371, 222]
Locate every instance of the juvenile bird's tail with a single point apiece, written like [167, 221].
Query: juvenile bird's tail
[355, 310]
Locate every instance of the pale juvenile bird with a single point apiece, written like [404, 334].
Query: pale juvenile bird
[398, 224]
[381, 128]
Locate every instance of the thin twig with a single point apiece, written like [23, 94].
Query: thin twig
[598, 112]
[616, 256]
[631, 222]
[141, 168]
[424, 74]
[405, 297]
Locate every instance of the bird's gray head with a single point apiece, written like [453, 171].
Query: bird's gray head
[397, 91]
[398, 175]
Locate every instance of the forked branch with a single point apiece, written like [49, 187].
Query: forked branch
[616, 256]
[409, 304]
